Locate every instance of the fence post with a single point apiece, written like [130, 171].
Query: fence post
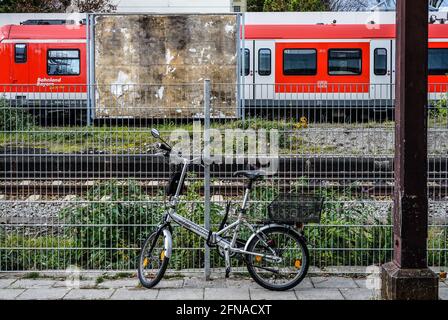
[88, 106]
[91, 68]
[243, 69]
[206, 155]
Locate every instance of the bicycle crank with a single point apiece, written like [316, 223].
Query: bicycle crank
[240, 244]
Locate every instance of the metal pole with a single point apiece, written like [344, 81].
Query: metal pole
[91, 68]
[206, 154]
[238, 66]
[408, 275]
[243, 68]
[89, 93]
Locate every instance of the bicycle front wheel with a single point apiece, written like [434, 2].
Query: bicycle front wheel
[292, 252]
[153, 260]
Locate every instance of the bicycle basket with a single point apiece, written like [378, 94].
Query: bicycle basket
[291, 208]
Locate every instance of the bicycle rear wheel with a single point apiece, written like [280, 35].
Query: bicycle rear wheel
[286, 244]
[153, 260]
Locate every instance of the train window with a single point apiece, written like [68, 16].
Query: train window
[20, 53]
[438, 62]
[299, 62]
[264, 62]
[63, 62]
[380, 62]
[344, 62]
[246, 62]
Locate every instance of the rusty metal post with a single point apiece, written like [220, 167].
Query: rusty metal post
[408, 276]
[207, 194]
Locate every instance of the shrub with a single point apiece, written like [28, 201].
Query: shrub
[14, 118]
[110, 228]
[107, 231]
[189, 248]
[35, 253]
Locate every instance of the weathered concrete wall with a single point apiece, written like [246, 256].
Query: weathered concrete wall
[154, 65]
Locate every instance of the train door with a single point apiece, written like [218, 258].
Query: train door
[381, 57]
[248, 70]
[264, 73]
[20, 66]
[393, 66]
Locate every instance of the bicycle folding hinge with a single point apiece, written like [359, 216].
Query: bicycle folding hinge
[211, 239]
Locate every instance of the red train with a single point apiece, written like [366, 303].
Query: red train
[44, 68]
[42, 55]
[283, 60]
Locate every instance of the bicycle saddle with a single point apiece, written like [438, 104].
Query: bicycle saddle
[250, 174]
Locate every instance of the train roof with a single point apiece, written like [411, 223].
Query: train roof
[43, 32]
[253, 30]
[333, 31]
[328, 17]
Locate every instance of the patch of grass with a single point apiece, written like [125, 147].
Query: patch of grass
[99, 280]
[173, 276]
[114, 140]
[24, 252]
[122, 275]
[119, 275]
[129, 140]
[32, 275]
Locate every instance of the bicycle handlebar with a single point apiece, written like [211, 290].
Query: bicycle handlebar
[167, 153]
[163, 146]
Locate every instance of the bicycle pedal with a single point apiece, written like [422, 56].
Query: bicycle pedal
[227, 272]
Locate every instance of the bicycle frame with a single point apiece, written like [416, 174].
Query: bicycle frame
[215, 237]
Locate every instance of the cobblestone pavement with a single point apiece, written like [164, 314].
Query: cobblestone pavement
[184, 288]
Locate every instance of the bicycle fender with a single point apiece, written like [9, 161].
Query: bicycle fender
[168, 242]
[268, 226]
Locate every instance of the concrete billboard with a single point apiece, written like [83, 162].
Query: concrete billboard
[154, 65]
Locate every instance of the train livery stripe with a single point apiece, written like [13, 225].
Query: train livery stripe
[44, 41]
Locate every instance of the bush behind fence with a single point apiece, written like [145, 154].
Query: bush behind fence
[106, 233]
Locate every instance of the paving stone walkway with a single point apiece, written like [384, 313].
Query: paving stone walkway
[188, 288]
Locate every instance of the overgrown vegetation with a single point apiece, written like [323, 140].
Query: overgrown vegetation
[27, 252]
[295, 5]
[134, 140]
[14, 118]
[287, 5]
[107, 232]
[438, 114]
[109, 229]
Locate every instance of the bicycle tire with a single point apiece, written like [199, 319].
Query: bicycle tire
[305, 259]
[161, 271]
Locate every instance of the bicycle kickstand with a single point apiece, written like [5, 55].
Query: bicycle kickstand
[227, 260]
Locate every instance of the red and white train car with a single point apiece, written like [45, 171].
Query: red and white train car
[43, 65]
[331, 62]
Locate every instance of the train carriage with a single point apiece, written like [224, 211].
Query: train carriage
[330, 64]
[44, 67]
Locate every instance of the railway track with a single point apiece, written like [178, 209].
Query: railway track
[28, 172]
[230, 189]
[24, 164]
[33, 163]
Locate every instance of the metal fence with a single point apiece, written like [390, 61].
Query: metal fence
[83, 187]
